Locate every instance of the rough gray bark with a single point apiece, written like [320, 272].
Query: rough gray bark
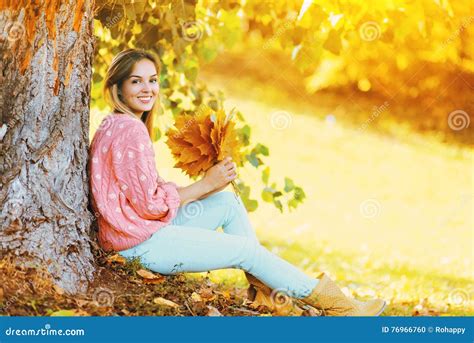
[46, 52]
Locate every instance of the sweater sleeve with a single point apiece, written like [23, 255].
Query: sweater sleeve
[133, 161]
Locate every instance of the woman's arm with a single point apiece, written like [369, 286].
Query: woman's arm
[216, 179]
[194, 191]
[133, 163]
[213, 192]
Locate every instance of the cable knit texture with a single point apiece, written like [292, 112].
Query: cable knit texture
[130, 197]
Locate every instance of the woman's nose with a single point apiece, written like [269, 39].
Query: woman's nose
[146, 87]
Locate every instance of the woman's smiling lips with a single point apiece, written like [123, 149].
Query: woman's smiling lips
[145, 99]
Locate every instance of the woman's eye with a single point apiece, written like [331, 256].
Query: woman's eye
[154, 80]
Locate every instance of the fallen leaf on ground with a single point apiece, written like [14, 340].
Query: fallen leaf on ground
[165, 302]
[199, 308]
[196, 297]
[207, 294]
[117, 259]
[154, 281]
[69, 313]
[82, 302]
[213, 312]
[225, 294]
[149, 275]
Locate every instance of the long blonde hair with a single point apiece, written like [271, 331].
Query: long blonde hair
[118, 71]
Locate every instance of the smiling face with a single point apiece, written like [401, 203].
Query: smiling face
[140, 89]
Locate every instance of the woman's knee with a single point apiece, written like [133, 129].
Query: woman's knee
[227, 197]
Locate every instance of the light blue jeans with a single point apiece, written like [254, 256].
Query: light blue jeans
[190, 243]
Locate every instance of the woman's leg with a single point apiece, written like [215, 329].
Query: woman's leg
[220, 209]
[173, 249]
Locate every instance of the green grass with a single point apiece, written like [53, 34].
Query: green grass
[415, 252]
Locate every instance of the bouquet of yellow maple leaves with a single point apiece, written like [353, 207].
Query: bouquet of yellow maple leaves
[203, 139]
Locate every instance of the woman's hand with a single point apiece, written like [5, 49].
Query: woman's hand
[221, 174]
[215, 179]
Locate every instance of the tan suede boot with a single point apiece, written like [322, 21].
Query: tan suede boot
[280, 304]
[333, 302]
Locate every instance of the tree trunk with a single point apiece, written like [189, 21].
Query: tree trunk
[46, 49]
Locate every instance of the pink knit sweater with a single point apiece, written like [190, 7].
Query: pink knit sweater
[131, 199]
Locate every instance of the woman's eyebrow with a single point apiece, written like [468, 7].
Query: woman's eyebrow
[140, 76]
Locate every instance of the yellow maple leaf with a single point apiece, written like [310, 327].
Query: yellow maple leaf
[199, 141]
